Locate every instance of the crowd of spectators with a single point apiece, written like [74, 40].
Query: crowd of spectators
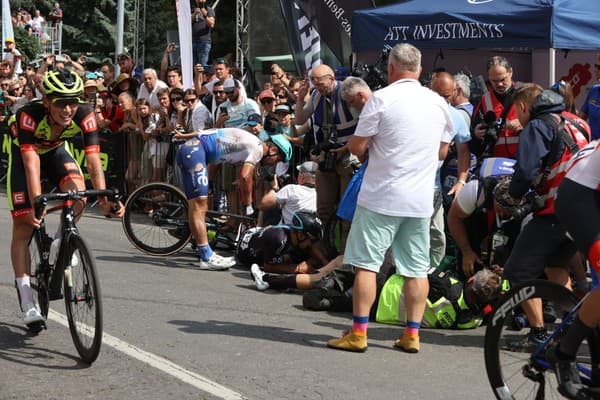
[426, 154]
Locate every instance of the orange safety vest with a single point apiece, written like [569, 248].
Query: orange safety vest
[558, 170]
[508, 140]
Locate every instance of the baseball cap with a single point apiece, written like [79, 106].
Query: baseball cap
[254, 119]
[308, 167]
[283, 108]
[229, 85]
[11, 40]
[123, 56]
[90, 83]
[266, 94]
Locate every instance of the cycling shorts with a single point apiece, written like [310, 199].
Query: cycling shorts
[192, 162]
[57, 165]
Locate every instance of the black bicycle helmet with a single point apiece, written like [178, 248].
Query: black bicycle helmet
[62, 83]
[309, 224]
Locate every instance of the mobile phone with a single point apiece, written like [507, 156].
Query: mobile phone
[266, 67]
[223, 110]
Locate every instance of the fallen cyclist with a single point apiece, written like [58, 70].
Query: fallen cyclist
[215, 146]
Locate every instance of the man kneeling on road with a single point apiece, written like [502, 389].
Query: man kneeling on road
[214, 146]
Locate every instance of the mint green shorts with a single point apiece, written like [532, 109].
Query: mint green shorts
[371, 234]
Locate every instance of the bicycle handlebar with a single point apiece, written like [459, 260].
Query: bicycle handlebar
[41, 201]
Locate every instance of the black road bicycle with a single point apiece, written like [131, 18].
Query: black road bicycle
[515, 375]
[156, 221]
[72, 276]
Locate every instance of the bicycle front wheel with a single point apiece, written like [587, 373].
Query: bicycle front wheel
[83, 300]
[156, 219]
[39, 275]
[525, 375]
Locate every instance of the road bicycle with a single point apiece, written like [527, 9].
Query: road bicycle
[72, 275]
[156, 221]
[514, 375]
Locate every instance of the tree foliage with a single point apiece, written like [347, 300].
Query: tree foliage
[89, 27]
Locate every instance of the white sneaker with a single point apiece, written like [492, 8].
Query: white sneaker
[31, 314]
[216, 263]
[258, 274]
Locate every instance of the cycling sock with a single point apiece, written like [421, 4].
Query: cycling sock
[249, 209]
[360, 324]
[412, 328]
[280, 282]
[205, 252]
[25, 293]
[569, 344]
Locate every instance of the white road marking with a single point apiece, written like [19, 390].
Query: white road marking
[160, 363]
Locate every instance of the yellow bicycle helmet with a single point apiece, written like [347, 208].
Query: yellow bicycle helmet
[62, 83]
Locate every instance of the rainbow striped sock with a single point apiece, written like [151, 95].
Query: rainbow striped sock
[360, 324]
[412, 328]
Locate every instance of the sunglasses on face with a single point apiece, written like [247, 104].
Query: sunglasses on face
[266, 101]
[176, 99]
[62, 103]
[597, 66]
[218, 92]
[189, 100]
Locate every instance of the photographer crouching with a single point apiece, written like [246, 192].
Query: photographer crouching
[334, 121]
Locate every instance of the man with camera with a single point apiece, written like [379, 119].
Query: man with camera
[334, 121]
[12, 55]
[548, 141]
[203, 22]
[495, 125]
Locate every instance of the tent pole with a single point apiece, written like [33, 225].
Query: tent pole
[551, 66]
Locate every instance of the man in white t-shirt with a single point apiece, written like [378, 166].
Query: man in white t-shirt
[13, 55]
[150, 87]
[237, 105]
[293, 198]
[401, 126]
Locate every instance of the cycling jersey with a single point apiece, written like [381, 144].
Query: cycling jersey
[267, 245]
[585, 166]
[34, 131]
[213, 146]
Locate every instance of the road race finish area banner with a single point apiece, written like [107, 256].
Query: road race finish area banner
[112, 156]
[484, 24]
[332, 19]
[454, 24]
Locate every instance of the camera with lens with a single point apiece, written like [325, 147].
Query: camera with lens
[327, 158]
[179, 129]
[493, 126]
[532, 203]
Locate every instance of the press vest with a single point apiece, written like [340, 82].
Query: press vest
[343, 120]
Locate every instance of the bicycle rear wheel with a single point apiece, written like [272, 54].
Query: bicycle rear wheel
[83, 300]
[156, 219]
[515, 375]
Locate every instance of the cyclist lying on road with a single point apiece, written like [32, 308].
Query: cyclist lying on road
[40, 133]
[215, 146]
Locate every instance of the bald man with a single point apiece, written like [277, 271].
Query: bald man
[334, 121]
[443, 84]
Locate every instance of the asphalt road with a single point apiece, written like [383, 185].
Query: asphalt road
[174, 332]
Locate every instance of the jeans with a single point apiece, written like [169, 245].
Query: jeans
[201, 50]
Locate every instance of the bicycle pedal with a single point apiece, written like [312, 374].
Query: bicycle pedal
[36, 327]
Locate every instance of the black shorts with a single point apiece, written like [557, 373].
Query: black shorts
[542, 243]
[578, 210]
[57, 165]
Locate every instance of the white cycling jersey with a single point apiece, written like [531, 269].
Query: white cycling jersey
[584, 168]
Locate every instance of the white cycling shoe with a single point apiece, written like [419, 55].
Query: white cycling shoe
[217, 263]
[31, 314]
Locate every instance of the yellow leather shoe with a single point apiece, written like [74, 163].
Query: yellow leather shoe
[350, 342]
[409, 344]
